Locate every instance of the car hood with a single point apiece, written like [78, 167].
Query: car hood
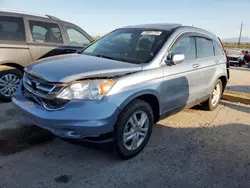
[236, 56]
[67, 68]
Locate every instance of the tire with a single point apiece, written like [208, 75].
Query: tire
[135, 107]
[9, 75]
[208, 104]
[241, 62]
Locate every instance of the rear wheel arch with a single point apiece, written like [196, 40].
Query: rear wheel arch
[224, 82]
[213, 101]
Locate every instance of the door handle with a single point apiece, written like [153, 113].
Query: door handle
[195, 65]
[216, 61]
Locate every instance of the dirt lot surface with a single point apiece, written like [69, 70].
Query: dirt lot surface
[193, 148]
[240, 80]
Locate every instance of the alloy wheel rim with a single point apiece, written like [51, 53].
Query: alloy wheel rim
[216, 94]
[135, 130]
[9, 84]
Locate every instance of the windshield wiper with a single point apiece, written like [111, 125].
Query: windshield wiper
[116, 59]
[104, 56]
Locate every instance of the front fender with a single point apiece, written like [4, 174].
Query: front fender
[138, 94]
[124, 98]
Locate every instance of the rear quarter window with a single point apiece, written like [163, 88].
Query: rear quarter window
[11, 28]
[218, 49]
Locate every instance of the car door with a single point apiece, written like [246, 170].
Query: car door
[76, 38]
[13, 45]
[45, 38]
[207, 62]
[181, 81]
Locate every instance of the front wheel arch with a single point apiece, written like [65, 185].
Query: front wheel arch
[149, 96]
[128, 111]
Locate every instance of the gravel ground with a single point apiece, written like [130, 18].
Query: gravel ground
[240, 80]
[193, 148]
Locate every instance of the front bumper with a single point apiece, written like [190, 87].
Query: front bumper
[233, 61]
[76, 120]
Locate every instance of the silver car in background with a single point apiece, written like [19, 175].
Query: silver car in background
[119, 86]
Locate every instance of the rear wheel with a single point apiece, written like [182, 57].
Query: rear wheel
[214, 98]
[133, 129]
[9, 80]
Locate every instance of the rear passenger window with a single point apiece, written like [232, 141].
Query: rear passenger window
[218, 49]
[204, 47]
[11, 28]
[45, 32]
[184, 45]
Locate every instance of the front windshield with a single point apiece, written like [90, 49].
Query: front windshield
[129, 45]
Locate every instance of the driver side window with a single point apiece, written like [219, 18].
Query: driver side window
[184, 45]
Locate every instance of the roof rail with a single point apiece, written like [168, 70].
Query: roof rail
[28, 13]
[52, 17]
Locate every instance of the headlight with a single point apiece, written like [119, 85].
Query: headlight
[87, 89]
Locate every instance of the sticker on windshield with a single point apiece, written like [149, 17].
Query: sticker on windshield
[151, 33]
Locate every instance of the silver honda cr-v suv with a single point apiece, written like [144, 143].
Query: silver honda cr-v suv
[119, 86]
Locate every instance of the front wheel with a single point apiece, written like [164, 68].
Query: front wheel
[133, 129]
[214, 98]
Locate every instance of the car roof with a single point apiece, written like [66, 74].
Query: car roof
[171, 26]
[159, 26]
[18, 13]
[13, 12]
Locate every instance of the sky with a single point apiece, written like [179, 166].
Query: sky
[222, 17]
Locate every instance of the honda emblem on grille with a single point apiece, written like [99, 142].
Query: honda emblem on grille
[34, 84]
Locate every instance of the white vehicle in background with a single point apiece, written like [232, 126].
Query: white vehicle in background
[236, 57]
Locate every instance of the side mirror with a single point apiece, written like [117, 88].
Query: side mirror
[174, 59]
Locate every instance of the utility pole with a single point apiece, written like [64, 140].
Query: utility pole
[241, 27]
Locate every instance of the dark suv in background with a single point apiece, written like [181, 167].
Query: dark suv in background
[26, 37]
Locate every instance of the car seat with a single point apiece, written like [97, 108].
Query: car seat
[143, 49]
[50, 37]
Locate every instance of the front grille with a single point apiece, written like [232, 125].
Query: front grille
[42, 92]
[233, 58]
[40, 87]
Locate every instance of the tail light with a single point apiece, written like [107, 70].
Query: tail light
[228, 64]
